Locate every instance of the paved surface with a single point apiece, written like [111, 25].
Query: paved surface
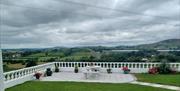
[101, 78]
[157, 85]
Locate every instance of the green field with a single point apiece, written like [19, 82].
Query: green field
[78, 56]
[72, 86]
[50, 54]
[161, 79]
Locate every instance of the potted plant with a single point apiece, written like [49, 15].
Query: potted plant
[153, 70]
[109, 70]
[48, 72]
[126, 70]
[38, 75]
[56, 69]
[76, 69]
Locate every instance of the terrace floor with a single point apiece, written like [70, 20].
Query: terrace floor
[80, 77]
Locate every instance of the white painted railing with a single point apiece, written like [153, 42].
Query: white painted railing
[13, 78]
[115, 66]
[16, 77]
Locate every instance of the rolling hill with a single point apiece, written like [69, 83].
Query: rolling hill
[172, 44]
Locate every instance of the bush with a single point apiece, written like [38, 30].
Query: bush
[153, 70]
[164, 68]
[23, 63]
[38, 75]
[31, 63]
[51, 60]
[126, 70]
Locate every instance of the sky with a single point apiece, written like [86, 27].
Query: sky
[71, 23]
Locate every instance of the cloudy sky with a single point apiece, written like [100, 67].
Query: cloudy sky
[48, 23]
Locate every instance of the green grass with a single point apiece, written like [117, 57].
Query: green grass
[161, 79]
[37, 55]
[82, 54]
[77, 56]
[50, 54]
[72, 86]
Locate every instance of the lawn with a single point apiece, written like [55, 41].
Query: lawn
[72, 86]
[161, 79]
[78, 56]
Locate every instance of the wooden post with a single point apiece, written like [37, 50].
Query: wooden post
[1, 73]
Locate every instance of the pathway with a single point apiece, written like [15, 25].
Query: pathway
[157, 85]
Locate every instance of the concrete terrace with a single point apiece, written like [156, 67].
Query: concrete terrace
[67, 74]
[80, 77]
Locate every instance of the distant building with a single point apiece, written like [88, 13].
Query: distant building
[145, 59]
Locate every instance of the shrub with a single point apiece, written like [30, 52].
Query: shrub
[126, 70]
[23, 63]
[31, 63]
[51, 60]
[164, 68]
[38, 75]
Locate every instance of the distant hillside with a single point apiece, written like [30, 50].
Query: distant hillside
[170, 44]
[166, 44]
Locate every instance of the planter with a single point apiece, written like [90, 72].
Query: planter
[38, 75]
[76, 70]
[48, 72]
[126, 72]
[109, 71]
[56, 69]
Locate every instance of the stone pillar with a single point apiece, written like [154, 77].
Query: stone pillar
[1, 73]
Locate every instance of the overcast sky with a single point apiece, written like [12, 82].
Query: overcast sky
[48, 23]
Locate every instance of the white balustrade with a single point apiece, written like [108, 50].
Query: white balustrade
[13, 78]
[116, 66]
[16, 77]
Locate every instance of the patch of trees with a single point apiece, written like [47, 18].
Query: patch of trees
[31, 62]
[151, 55]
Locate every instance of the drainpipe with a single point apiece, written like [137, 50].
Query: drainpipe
[1, 73]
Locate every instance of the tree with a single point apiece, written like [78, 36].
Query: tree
[31, 62]
[164, 67]
[46, 54]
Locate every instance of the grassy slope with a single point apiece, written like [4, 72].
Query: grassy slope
[11, 67]
[78, 55]
[162, 79]
[71, 86]
[165, 44]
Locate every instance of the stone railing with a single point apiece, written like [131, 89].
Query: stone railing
[13, 78]
[115, 66]
[16, 77]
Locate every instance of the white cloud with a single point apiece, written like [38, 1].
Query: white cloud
[54, 23]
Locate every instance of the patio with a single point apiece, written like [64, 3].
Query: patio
[80, 77]
[66, 74]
